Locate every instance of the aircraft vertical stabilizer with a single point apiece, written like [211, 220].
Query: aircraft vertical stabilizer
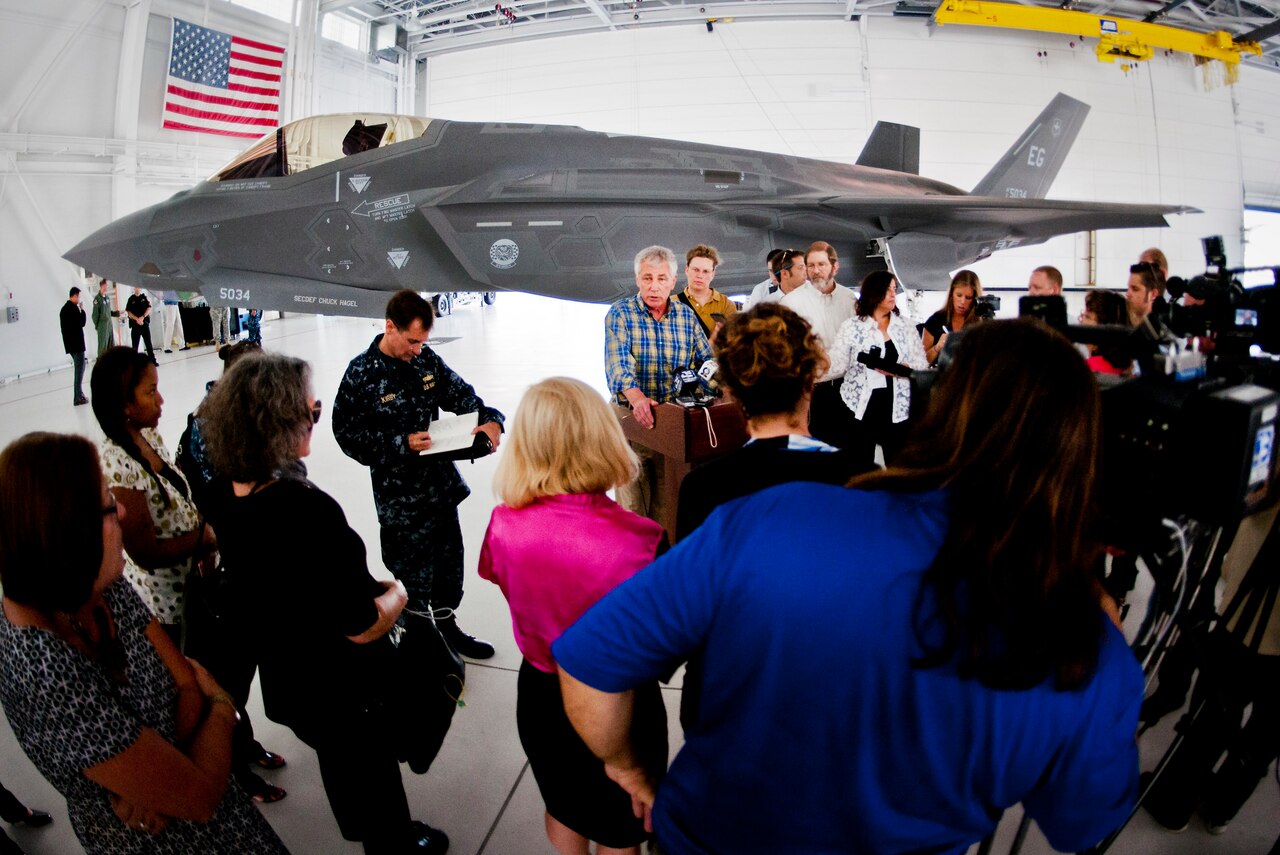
[892, 146]
[1028, 168]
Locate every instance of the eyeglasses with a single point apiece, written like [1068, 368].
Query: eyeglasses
[315, 413]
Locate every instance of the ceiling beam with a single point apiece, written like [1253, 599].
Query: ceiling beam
[594, 6]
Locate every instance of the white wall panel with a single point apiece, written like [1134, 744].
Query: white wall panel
[1258, 131]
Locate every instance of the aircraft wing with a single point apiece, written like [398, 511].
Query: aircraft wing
[969, 218]
[926, 237]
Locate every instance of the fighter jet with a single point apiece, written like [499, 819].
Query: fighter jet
[333, 213]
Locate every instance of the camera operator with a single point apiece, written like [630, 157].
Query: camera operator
[1145, 285]
[889, 666]
[880, 402]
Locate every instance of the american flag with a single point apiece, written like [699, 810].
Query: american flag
[222, 84]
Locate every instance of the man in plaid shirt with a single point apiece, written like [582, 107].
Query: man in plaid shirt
[647, 338]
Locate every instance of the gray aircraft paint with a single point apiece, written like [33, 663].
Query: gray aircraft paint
[561, 211]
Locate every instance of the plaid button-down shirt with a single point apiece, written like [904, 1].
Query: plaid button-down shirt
[644, 353]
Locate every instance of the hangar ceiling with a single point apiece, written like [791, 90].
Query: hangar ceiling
[439, 26]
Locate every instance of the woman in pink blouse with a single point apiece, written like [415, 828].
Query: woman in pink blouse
[555, 546]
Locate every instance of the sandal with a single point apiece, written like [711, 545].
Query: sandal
[258, 789]
[269, 760]
[269, 793]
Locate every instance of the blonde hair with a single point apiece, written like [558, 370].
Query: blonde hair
[563, 439]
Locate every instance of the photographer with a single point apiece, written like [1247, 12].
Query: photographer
[888, 667]
[880, 402]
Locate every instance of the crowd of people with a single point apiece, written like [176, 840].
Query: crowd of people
[938, 649]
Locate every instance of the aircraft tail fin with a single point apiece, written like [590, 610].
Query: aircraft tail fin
[1028, 168]
[892, 146]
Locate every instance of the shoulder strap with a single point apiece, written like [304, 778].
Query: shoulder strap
[684, 298]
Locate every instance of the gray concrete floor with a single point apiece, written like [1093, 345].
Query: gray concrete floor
[479, 790]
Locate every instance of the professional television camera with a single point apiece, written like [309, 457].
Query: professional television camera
[986, 306]
[1221, 308]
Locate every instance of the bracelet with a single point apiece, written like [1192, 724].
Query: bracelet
[224, 698]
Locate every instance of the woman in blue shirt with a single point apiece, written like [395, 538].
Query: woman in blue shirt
[889, 667]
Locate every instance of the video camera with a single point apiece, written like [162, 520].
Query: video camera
[986, 306]
[874, 358]
[1222, 308]
[1193, 433]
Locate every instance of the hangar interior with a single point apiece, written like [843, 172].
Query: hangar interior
[82, 143]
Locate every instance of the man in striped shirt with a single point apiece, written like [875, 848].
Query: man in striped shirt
[647, 339]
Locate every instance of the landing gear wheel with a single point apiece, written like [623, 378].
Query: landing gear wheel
[443, 304]
[489, 297]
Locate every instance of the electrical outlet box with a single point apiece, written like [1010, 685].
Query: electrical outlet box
[11, 314]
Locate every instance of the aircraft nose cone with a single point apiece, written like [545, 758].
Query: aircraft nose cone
[118, 251]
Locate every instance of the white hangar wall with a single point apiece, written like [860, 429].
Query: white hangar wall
[1155, 134]
[62, 63]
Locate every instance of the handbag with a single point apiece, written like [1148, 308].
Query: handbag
[430, 679]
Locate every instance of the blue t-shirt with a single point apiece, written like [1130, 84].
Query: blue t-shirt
[815, 733]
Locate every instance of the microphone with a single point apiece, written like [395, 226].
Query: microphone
[688, 388]
[708, 371]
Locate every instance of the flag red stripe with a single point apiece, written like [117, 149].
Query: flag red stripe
[224, 102]
[220, 117]
[179, 126]
[256, 75]
[253, 90]
[236, 40]
[256, 60]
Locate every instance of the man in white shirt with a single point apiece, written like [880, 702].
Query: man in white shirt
[768, 291]
[825, 305]
[820, 301]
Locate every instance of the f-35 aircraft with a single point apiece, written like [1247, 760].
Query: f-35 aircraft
[333, 213]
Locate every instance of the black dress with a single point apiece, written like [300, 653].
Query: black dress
[759, 464]
[299, 586]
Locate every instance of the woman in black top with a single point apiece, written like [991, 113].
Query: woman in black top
[769, 360]
[324, 656]
[962, 299]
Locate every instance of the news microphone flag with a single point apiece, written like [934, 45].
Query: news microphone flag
[222, 84]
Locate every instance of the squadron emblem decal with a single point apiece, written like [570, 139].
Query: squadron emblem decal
[503, 254]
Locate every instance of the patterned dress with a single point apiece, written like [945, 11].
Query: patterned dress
[69, 715]
[172, 514]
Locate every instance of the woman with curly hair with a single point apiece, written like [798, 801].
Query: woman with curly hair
[769, 360]
[325, 659]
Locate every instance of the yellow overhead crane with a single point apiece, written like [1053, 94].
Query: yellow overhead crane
[1118, 38]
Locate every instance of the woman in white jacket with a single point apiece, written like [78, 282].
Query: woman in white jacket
[880, 403]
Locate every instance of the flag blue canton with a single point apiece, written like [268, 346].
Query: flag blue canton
[200, 55]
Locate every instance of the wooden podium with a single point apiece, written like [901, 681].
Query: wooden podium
[681, 436]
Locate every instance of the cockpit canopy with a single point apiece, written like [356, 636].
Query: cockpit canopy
[308, 143]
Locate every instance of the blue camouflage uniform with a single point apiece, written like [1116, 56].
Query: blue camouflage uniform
[381, 401]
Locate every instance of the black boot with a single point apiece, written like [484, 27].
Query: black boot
[465, 645]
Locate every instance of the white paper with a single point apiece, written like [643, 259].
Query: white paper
[452, 433]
